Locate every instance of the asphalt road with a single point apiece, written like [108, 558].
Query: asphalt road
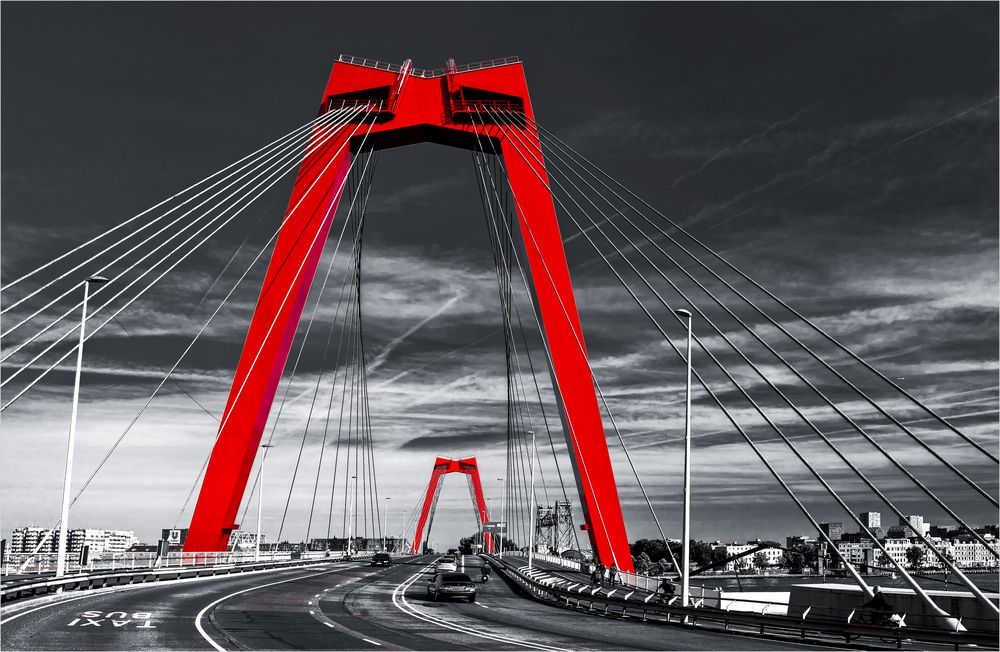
[340, 606]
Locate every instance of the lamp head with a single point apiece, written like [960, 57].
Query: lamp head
[683, 313]
[97, 280]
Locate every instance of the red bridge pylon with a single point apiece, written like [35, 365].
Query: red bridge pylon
[442, 467]
[412, 106]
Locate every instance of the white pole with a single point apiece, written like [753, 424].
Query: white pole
[531, 526]
[350, 517]
[503, 522]
[67, 478]
[402, 532]
[385, 521]
[686, 529]
[260, 501]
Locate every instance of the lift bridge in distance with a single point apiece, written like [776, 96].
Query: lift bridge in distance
[775, 375]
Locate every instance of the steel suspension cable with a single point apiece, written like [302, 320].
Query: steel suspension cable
[162, 382]
[494, 234]
[770, 467]
[305, 431]
[802, 345]
[319, 464]
[607, 409]
[148, 401]
[597, 385]
[329, 340]
[502, 258]
[349, 307]
[291, 286]
[189, 251]
[272, 162]
[785, 362]
[934, 415]
[784, 397]
[79, 247]
[914, 585]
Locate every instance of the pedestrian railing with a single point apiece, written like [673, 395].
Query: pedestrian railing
[708, 609]
[38, 563]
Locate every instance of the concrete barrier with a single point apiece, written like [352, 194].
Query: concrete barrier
[837, 601]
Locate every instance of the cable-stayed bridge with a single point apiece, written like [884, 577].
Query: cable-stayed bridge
[777, 377]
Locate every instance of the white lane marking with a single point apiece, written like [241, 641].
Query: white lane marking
[368, 640]
[132, 587]
[399, 599]
[328, 624]
[312, 613]
[201, 614]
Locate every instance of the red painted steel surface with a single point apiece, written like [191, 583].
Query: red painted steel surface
[415, 109]
[442, 467]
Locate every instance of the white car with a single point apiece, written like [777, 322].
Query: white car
[445, 564]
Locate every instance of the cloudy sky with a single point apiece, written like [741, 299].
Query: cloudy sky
[845, 156]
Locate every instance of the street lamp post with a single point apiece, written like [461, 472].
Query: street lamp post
[260, 500]
[686, 529]
[531, 502]
[350, 517]
[64, 521]
[385, 521]
[402, 531]
[501, 523]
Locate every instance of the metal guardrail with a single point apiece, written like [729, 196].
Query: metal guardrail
[21, 589]
[337, 105]
[370, 63]
[626, 604]
[25, 563]
[486, 106]
[427, 73]
[643, 582]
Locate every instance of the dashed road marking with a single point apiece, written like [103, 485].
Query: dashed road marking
[401, 603]
[212, 605]
[368, 640]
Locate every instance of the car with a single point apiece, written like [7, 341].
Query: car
[381, 559]
[444, 586]
[446, 563]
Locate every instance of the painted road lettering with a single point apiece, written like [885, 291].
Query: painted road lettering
[139, 619]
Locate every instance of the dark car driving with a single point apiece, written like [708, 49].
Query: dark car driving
[381, 559]
[451, 585]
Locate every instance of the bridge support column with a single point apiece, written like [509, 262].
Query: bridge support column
[310, 212]
[553, 289]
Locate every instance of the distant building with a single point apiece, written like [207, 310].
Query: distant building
[26, 539]
[897, 550]
[833, 530]
[972, 554]
[914, 524]
[871, 520]
[856, 552]
[772, 556]
[800, 540]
